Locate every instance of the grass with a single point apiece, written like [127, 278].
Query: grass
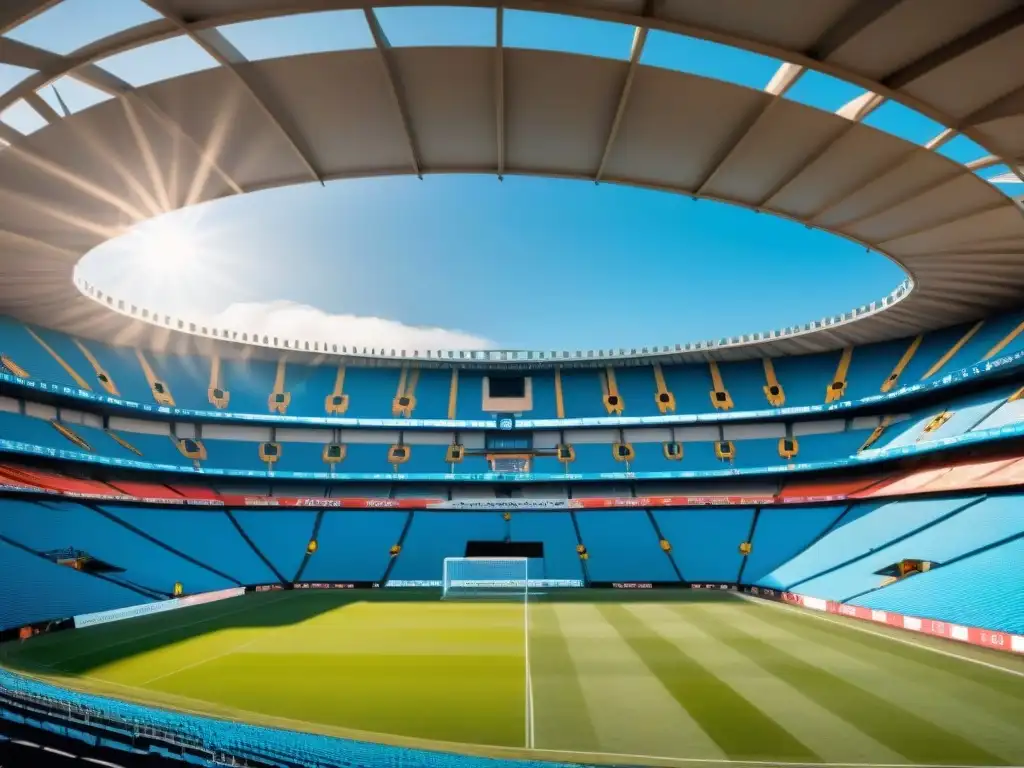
[668, 675]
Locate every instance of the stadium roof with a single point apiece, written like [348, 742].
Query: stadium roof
[248, 125]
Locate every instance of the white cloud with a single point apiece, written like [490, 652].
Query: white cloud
[291, 320]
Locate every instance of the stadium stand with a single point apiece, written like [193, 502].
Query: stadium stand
[207, 536]
[706, 542]
[973, 524]
[782, 533]
[556, 533]
[433, 536]
[281, 535]
[137, 561]
[813, 571]
[974, 589]
[623, 546]
[356, 546]
[372, 392]
[48, 591]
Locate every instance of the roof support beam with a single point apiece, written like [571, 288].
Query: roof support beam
[499, 86]
[860, 16]
[954, 49]
[229, 57]
[635, 52]
[48, 113]
[394, 82]
[16, 12]
[854, 111]
[783, 79]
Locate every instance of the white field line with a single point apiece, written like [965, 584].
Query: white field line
[530, 737]
[849, 624]
[263, 635]
[136, 638]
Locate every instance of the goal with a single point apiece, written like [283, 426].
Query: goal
[486, 578]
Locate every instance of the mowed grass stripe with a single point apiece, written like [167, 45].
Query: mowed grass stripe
[987, 718]
[740, 729]
[560, 709]
[828, 735]
[887, 719]
[1009, 685]
[631, 711]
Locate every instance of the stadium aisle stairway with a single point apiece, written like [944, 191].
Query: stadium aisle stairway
[51, 526]
[982, 523]
[433, 536]
[856, 537]
[706, 542]
[783, 532]
[204, 535]
[554, 530]
[281, 535]
[355, 546]
[36, 589]
[622, 545]
[981, 590]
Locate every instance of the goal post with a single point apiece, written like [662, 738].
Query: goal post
[501, 578]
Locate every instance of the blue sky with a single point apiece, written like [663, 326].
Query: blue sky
[525, 263]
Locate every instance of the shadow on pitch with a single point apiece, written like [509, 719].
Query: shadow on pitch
[75, 653]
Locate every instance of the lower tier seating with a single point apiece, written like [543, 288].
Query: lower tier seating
[982, 590]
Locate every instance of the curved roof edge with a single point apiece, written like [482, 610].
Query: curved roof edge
[734, 347]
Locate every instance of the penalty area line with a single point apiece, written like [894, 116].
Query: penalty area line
[848, 624]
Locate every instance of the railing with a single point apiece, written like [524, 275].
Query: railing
[195, 327]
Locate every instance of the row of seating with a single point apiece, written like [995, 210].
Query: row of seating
[407, 458]
[295, 388]
[854, 561]
[835, 552]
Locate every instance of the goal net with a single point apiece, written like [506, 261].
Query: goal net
[486, 578]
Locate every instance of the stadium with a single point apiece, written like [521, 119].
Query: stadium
[798, 546]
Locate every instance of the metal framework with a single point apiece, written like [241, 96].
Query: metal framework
[85, 177]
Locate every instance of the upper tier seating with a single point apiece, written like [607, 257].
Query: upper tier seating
[784, 532]
[372, 391]
[36, 589]
[52, 526]
[981, 590]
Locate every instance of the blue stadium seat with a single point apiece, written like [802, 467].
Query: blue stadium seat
[53, 526]
[555, 532]
[355, 546]
[873, 530]
[17, 343]
[233, 454]
[250, 383]
[433, 536]
[582, 394]
[976, 526]
[623, 546]
[36, 589]
[188, 378]
[281, 535]
[705, 542]
[206, 535]
[638, 389]
[971, 592]
[805, 379]
[782, 533]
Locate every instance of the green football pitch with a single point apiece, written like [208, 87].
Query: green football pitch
[667, 677]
